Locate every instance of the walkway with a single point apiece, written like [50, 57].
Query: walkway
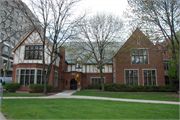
[68, 94]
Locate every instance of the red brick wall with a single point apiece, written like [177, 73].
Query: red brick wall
[123, 59]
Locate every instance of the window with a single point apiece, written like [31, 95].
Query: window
[4, 61]
[6, 3]
[131, 77]
[149, 77]
[17, 75]
[27, 77]
[21, 18]
[139, 56]
[28, 25]
[8, 39]
[24, 30]
[9, 29]
[33, 52]
[25, 22]
[40, 79]
[166, 66]
[16, 23]
[78, 64]
[96, 80]
[2, 35]
[66, 82]
[5, 14]
[18, 4]
[11, 64]
[10, 18]
[12, 9]
[3, 24]
[19, 36]
[22, 10]
[13, 42]
[20, 27]
[17, 14]
[138, 41]
[56, 79]
[6, 49]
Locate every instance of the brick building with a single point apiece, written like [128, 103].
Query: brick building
[137, 62]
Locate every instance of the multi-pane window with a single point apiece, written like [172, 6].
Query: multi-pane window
[6, 48]
[27, 77]
[40, 79]
[131, 77]
[166, 66]
[96, 80]
[78, 64]
[149, 77]
[33, 52]
[139, 56]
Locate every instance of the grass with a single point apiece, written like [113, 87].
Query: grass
[142, 96]
[19, 95]
[85, 109]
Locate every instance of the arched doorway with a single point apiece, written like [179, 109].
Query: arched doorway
[73, 84]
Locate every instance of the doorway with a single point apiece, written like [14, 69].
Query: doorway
[73, 84]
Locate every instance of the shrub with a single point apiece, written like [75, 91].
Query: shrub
[138, 88]
[94, 86]
[11, 86]
[39, 87]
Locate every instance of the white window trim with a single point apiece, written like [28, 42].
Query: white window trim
[97, 77]
[125, 75]
[149, 69]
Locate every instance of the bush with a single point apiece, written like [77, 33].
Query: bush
[94, 86]
[11, 86]
[39, 87]
[137, 88]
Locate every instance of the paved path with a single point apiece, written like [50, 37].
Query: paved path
[68, 94]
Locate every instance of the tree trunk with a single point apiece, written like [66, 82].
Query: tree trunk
[102, 80]
[45, 86]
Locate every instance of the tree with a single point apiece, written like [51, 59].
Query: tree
[96, 41]
[159, 18]
[57, 23]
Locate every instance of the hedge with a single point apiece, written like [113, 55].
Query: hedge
[11, 86]
[39, 87]
[137, 88]
[94, 86]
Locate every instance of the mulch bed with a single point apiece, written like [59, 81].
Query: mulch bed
[48, 94]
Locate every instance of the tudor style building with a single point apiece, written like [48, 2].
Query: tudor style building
[136, 63]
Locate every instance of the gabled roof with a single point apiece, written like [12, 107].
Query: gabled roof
[24, 38]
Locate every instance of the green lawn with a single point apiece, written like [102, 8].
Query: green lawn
[19, 95]
[142, 96]
[85, 109]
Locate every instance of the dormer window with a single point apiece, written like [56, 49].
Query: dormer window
[78, 63]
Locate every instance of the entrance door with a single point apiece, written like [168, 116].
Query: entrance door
[73, 84]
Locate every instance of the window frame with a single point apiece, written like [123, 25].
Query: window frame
[25, 74]
[129, 76]
[150, 77]
[6, 50]
[33, 52]
[97, 79]
[166, 66]
[136, 56]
